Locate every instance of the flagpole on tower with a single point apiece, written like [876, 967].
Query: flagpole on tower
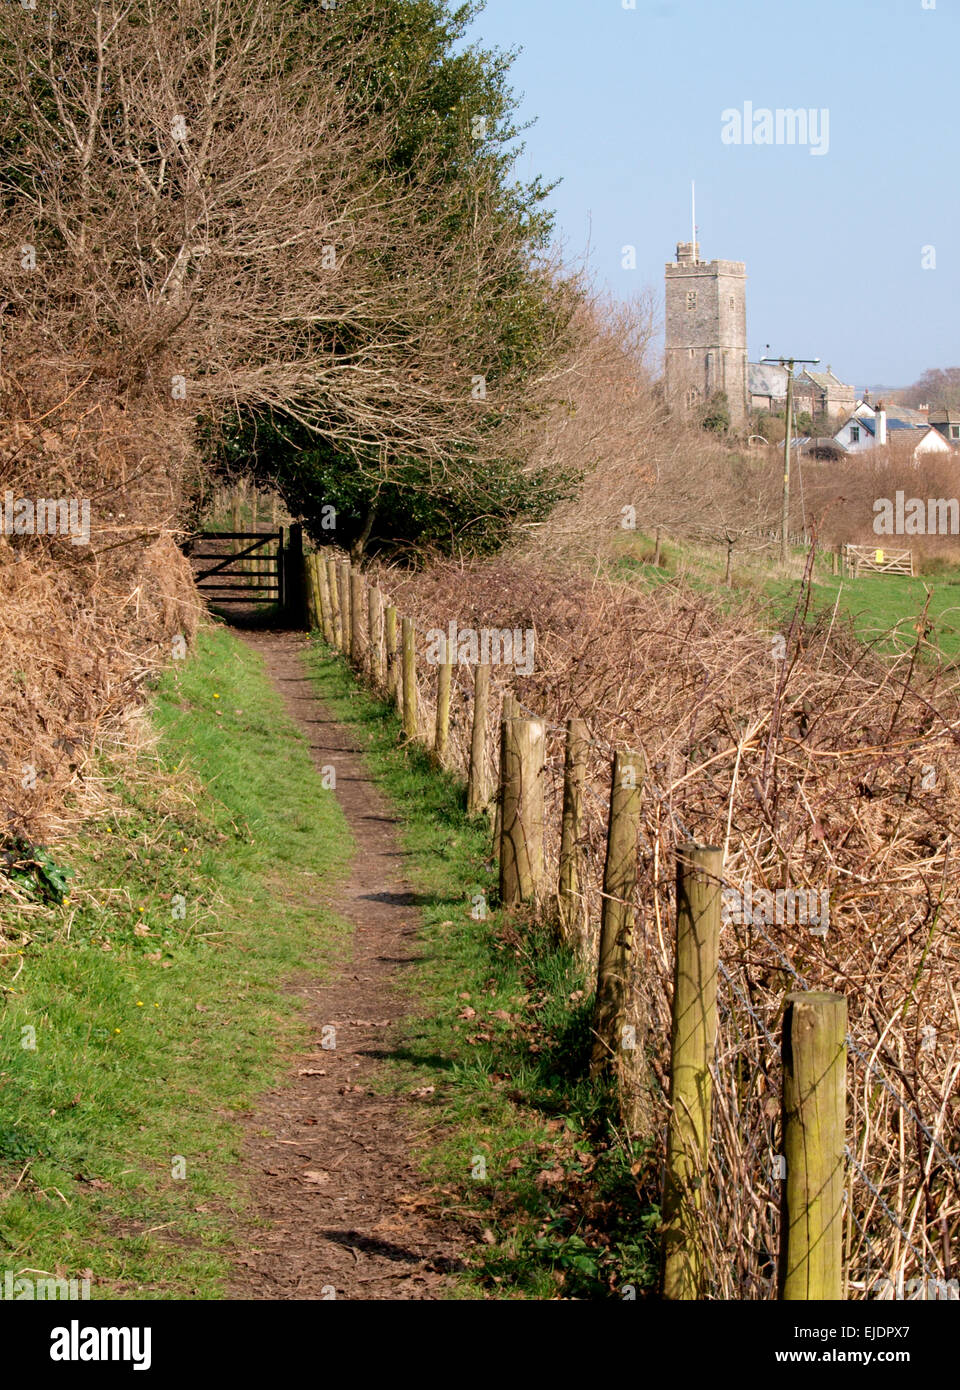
[693, 217]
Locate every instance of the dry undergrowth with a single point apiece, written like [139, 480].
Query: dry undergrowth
[833, 770]
[82, 627]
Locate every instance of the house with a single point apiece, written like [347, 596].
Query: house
[823, 394]
[920, 416]
[947, 423]
[820, 394]
[874, 428]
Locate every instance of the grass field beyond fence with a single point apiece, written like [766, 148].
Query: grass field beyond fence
[885, 609]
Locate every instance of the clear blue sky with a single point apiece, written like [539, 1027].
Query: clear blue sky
[628, 108]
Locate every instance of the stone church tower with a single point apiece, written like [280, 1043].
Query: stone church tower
[706, 331]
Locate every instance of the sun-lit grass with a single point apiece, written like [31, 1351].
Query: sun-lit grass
[155, 990]
[884, 609]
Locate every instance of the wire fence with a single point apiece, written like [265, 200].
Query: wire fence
[902, 1198]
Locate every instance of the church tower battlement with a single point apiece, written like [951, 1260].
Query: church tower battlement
[706, 331]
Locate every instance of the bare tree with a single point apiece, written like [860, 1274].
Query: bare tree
[209, 221]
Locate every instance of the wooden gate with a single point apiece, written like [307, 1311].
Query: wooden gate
[877, 559]
[253, 573]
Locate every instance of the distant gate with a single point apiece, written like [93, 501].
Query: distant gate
[869, 557]
[251, 574]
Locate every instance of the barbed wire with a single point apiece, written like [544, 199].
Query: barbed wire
[748, 1006]
[871, 1067]
[891, 1215]
[663, 798]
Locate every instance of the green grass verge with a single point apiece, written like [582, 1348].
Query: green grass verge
[529, 1156]
[154, 990]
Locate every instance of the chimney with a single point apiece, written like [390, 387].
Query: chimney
[881, 425]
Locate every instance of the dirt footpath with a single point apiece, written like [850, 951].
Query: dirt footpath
[344, 1207]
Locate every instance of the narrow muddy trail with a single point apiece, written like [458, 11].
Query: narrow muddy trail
[341, 1210]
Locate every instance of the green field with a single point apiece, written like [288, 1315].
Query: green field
[883, 609]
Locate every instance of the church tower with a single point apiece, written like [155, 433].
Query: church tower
[706, 331]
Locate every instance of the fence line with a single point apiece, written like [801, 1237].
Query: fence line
[746, 1066]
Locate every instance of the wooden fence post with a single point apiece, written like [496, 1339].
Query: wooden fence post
[375, 615]
[345, 606]
[335, 613]
[310, 591]
[616, 922]
[442, 729]
[318, 574]
[568, 889]
[238, 545]
[409, 683]
[814, 1052]
[314, 606]
[393, 658]
[326, 605]
[477, 788]
[357, 617]
[693, 1043]
[522, 752]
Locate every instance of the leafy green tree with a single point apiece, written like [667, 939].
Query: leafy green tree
[472, 509]
[507, 318]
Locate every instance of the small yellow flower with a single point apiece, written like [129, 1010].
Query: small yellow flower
[139, 1003]
[116, 1030]
[216, 697]
[66, 902]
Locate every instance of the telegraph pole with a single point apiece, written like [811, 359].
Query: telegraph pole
[789, 363]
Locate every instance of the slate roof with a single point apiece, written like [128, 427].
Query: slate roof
[894, 422]
[823, 379]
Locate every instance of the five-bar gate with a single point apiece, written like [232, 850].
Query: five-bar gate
[252, 573]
